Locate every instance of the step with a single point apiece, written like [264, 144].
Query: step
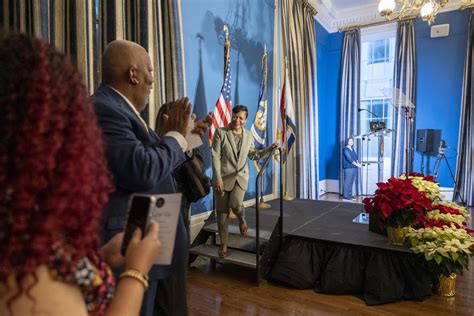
[242, 243]
[234, 230]
[234, 256]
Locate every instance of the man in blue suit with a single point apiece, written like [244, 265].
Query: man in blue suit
[142, 162]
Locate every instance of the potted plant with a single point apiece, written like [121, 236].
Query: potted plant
[446, 250]
[399, 203]
[446, 213]
[425, 184]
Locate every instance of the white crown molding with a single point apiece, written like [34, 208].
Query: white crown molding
[332, 20]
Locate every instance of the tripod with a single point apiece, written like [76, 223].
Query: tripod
[439, 159]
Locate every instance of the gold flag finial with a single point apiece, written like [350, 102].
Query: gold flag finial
[226, 36]
[226, 32]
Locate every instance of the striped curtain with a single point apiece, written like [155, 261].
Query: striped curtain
[404, 80]
[156, 25]
[298, 47]
[173, 50]
[67, 25]
[110, 26]
[82, 30]
[464, 184]
[26, 16]
[350, 95]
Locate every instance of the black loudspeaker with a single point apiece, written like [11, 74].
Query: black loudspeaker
[427, 141]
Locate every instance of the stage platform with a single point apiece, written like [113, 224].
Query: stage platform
[326, 250]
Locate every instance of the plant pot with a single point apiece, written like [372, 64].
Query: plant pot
[375, 224]
[396, 235]
[446, 285]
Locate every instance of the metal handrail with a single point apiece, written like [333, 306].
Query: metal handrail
[257, 209]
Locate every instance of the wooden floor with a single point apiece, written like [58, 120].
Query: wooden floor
[230, 290]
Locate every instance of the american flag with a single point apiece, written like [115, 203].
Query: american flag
[222, 111]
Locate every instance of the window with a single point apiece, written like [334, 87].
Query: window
[377, 66]
[379, 51]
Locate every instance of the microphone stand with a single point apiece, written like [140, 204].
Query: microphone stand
[379, 158]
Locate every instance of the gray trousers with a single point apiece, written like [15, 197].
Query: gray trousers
[349, 178]
[229, 200]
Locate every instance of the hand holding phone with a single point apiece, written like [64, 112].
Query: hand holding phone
[138, 217]
[141, 252]
[163, 209]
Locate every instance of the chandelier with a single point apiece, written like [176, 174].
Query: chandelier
[427, 9]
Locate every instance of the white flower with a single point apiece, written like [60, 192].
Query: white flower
[461, 209]
[449, 242]
[451, 218]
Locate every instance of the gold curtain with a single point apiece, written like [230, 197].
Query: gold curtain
[156, 25]
[298, 47]
[68, 25]
[74, 28]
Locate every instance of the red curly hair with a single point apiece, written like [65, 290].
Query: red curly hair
[53, 174]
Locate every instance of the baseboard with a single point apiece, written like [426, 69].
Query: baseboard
[447, 192]
[197, 221]
[328, 186]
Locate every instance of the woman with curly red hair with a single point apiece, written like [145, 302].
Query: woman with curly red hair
[53, 185]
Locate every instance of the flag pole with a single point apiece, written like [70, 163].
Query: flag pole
[262, 203]
[226, 59]
[286, 196]
[226, 45]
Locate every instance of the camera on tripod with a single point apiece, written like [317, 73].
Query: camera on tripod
[429, 143]
[442, 147]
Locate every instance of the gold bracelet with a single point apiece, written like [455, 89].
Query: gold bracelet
[137, 275]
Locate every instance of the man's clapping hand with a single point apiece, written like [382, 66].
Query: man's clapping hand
[178, 116]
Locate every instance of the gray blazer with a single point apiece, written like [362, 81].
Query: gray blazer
[229, 167]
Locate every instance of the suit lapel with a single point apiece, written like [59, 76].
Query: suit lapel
[230, 137]
[245, 140]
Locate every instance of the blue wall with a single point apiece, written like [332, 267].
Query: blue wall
[329, 49]
[251, 27]
[440, 63]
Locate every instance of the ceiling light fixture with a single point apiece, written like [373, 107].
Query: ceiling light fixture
[399, 9]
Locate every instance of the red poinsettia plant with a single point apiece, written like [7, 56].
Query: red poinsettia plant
[398, 202]
[446, 214]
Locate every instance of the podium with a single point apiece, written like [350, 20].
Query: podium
[404, 124]
[367, 160]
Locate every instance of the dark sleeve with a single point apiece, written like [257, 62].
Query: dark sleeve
[135, 167]
[347, 155]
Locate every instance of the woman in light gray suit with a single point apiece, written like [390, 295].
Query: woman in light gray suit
[231, 146]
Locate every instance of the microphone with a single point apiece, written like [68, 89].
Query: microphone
[378, 125]
[360, 110]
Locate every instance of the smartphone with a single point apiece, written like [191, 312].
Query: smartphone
[138, 217]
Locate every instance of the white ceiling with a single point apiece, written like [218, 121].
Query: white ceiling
[342, 4]
[334, 14]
